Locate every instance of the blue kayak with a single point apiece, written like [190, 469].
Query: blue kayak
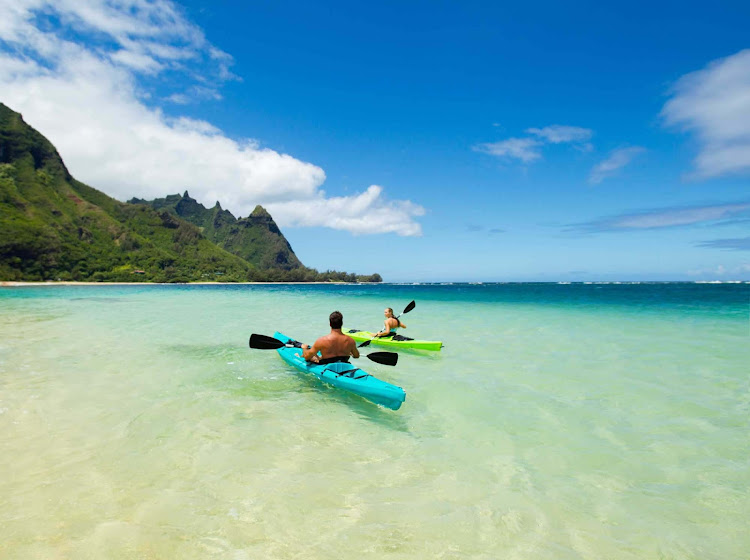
[344, 376]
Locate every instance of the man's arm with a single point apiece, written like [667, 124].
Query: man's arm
[310, 352]
[353, 350]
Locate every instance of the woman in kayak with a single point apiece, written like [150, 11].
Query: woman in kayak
[390, 325]
[333, 347]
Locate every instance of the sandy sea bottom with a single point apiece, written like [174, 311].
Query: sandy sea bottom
[559, 422]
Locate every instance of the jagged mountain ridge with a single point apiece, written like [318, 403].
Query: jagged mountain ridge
[256, 238]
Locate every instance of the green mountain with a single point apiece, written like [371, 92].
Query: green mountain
[257, 238]
[55, 227]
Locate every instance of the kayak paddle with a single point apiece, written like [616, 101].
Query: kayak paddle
[263, 342]
[408, 308]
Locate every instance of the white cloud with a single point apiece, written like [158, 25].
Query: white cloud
[668, 217]
[529, 149]
[137, 61]
[86, 98]
[681, 216]
[739, 271]
[178, 98]
[365, 213]
[617, 160]
[714, 104]
[524, 149]
[558, 134]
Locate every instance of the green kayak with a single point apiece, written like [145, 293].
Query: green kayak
[397, 341]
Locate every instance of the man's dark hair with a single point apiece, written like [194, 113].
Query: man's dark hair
[336, 320]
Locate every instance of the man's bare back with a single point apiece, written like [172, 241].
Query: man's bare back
[333, 345]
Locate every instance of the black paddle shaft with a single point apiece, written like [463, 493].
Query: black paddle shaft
[263, 342]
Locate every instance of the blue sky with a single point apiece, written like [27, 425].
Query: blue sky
[427, 141]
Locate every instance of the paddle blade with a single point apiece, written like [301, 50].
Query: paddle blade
[385, 358]
[263, 342]
[409, 307]
[365, 343]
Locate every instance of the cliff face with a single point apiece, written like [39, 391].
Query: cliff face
[257, 238]
[52, 226]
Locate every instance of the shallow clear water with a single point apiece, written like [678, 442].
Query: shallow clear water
[559, 422]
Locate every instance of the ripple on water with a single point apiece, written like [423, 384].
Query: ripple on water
[559, 422]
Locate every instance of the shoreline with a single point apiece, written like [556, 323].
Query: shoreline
[21, 284]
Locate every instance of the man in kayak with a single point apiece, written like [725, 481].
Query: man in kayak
[390, 325]
[333, 347]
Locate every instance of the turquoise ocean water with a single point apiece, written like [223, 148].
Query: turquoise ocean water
[578, 421]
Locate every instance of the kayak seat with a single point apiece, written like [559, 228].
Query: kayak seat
[350, 331]
[333, 360]
[344, 369]
[395, 336]
[401, 337]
